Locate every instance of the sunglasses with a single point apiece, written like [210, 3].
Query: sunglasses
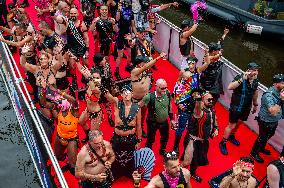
[163, 88]
[210, 99]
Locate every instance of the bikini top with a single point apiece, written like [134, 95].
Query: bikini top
[48, 77]
[92, 97]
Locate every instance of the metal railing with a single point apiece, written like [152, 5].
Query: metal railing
[170, 32]
[29, 121]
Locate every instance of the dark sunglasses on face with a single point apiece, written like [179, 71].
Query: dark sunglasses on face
[210, 99]
[163, 88]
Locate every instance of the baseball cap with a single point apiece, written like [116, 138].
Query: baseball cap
[190, 60]
[213, 46]
[186, 23]
[278, 78]
[252, 66]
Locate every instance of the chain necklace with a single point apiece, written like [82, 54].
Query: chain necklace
[242, 186]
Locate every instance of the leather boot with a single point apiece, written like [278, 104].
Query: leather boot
[176, 144]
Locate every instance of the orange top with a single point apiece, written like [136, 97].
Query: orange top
[67, 126]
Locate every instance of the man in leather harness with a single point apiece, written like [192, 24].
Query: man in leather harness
[201, 126]
[275, 173]
[94, 162]
[172, 176]
[127, 134]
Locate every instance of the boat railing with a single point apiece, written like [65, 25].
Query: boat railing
[168, 41]
[34, 133]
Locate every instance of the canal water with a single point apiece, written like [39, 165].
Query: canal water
[16, 167]
[240, 48]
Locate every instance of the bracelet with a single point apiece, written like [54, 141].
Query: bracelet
[239, 81]
[255, 104]
[139, 140]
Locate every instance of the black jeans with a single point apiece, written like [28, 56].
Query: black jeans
[266, 131]
[152, 127]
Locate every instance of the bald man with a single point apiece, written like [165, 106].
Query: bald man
[159, 110]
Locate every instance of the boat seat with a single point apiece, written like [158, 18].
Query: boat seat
[280, 15]
[215, 181]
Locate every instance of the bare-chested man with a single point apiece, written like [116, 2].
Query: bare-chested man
[94, 162]
[172, 176]
[141, 80]
[241, 176]
[25, 38]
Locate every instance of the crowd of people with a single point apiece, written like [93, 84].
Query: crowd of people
[55, 55]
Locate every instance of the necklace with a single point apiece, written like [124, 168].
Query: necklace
[241, 185]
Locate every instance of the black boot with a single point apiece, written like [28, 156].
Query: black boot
[255, 150]
[265, 151]
[233, 140]
[223, 147]
[176, 144]
[163, 146]
[86, 139]
[256, 157]
[193, 173]
[116, 73]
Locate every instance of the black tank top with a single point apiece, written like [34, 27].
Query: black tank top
[280, 167]
[181, 180]
[72, 41]
[201, 127]
[185, 49]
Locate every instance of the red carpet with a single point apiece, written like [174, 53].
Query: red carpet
[217, 162]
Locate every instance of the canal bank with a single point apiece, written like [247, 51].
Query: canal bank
[240, 48]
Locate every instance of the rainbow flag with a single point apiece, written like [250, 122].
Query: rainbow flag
[183, 90]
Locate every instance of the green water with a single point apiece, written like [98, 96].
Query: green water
[240, 48]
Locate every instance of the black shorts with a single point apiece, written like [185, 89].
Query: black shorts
[121, 42]
[235, 116]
